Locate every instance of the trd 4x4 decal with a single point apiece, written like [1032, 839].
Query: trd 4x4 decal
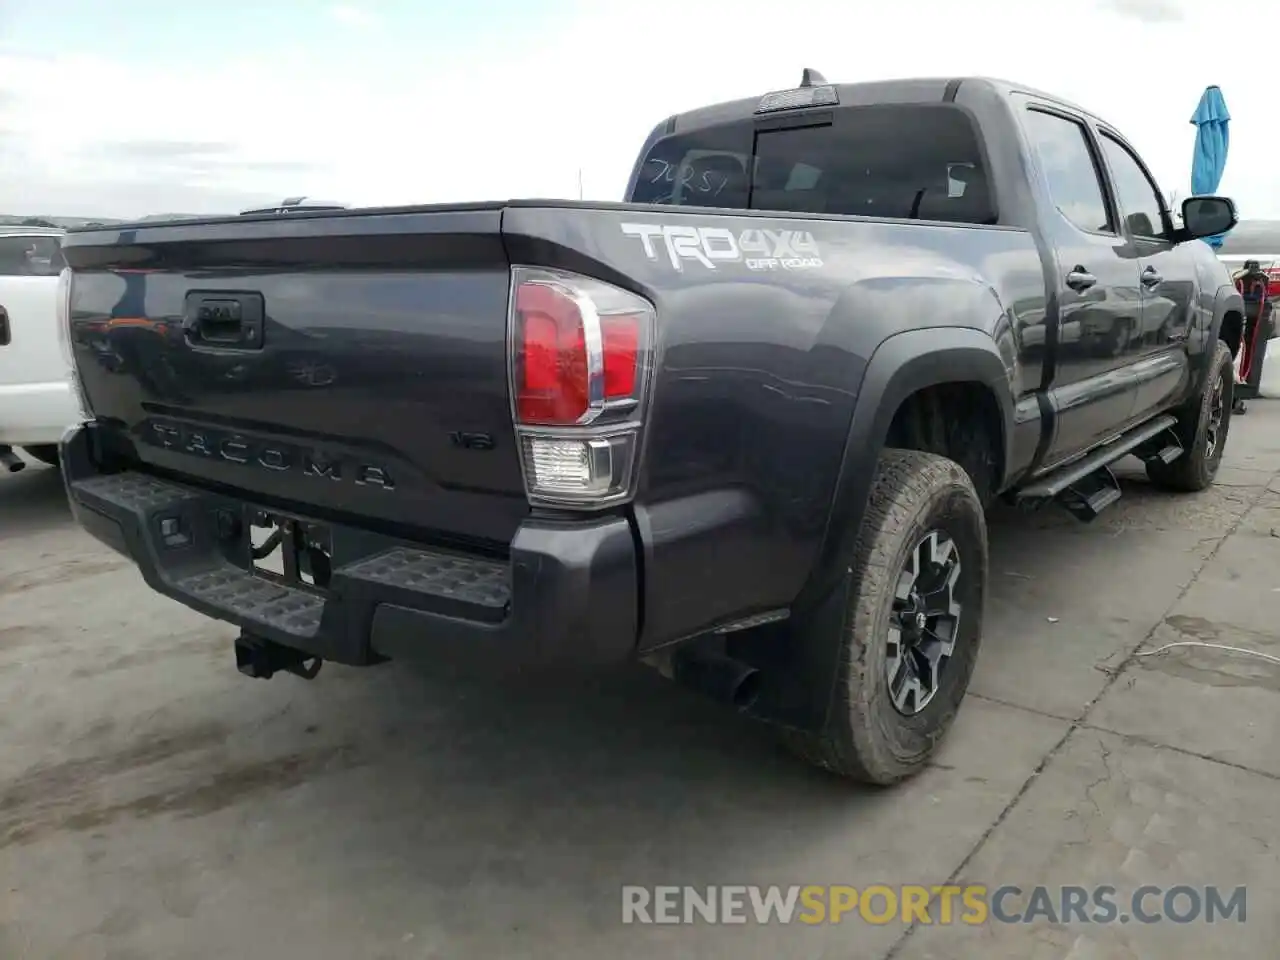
[710, 247]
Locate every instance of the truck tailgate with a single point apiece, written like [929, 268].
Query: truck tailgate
[347, 364]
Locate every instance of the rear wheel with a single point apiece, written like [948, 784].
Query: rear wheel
[913, 624]
[1203, 428]
[44, 452]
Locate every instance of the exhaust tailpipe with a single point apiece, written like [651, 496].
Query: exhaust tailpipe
[719, 677]
[10, 460]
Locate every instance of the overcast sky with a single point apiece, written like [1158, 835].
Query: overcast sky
[130, 107]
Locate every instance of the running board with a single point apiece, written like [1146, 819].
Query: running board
[1086, 487]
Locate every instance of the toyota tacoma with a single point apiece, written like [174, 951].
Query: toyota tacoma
[742, 427]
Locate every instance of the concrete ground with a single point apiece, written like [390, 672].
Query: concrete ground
[154, 804]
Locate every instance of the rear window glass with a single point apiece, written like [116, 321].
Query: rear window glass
[30, 257]
[905, 161]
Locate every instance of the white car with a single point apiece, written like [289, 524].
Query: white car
[36, 399]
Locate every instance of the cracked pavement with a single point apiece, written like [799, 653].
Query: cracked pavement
[153, 803]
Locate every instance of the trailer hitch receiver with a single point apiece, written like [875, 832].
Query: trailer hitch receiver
[262, 659]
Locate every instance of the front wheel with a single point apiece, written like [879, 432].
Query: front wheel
[911, 631]
[1203, 428]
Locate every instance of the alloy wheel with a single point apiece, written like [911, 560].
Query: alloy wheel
[924, 623]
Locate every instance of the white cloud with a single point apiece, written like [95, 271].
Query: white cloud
[352, 16]
[517, 114]
[1153, 11]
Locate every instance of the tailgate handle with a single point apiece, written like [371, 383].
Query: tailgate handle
[218, 324]
[4, 327]
[229, 321]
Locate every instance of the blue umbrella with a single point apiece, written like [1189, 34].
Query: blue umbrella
[1212, 123]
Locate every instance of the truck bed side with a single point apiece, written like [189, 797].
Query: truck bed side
[760, 369]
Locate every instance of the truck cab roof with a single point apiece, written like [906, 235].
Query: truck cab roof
[879, 92]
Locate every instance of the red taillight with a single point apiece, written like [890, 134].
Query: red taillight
[554, 367]
[621, 336]
[580, 365]
[551, 359]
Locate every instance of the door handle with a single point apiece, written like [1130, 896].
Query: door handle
[4, 327]
[1150, 278]
[1080, 280]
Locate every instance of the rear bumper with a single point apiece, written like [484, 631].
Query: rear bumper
[35, 413]
[567, 595]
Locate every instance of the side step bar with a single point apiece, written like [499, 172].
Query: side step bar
[1086, 487]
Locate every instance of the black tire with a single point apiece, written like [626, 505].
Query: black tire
[1203, 427]
[868, 738]
[45, 453]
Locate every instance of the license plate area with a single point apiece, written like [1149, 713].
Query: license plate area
[297, 553]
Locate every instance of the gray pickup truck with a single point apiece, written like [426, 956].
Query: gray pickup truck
[742, 427]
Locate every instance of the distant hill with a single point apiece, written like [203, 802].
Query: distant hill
[1253, 236]
[67, 223]
[10, 220]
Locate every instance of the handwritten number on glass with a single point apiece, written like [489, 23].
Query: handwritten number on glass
[691, 179]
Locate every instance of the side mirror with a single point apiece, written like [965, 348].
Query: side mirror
[1206, 217]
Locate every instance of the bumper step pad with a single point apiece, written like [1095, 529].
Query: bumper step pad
[482, 583]
[200, 573]
[256, 599]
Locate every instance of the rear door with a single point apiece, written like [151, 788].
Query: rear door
[1097, 287]
[29, 267]
[1167, 277]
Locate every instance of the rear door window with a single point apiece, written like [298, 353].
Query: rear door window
[1070, 170]
[31, 256]
[911, 161]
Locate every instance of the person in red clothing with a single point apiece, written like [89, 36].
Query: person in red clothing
[1249, 344]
